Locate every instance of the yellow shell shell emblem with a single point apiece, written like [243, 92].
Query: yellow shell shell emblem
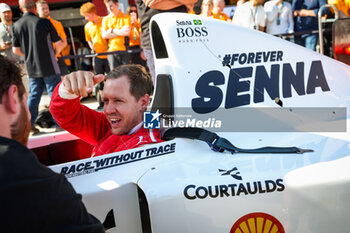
[257, 223]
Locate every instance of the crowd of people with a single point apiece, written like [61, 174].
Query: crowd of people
[278, 17]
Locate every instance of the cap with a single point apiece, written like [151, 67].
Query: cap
[4, 7]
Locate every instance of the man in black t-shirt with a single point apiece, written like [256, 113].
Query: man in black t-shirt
[32, 197]
[32, 38]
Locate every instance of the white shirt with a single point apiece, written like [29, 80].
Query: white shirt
[248, 16]
[285, 15]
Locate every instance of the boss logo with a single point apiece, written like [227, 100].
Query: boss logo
[192, 32]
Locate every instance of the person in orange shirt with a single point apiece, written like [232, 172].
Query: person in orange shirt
[44, 12]
[191, 11]
[343, 7]
[207, 8]
[217, 12]
[93, 36]
[134, 38]
[115, 27]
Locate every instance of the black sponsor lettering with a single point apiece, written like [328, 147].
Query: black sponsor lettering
[293, 79]
[279, 55]
[273, 56]
[316, 78]
[192, 192]
[110, 160]
[118, 159]
[264, 82]
[266, 56]
[151, 151]
[100, 162]
[183, 23]
[160, 150]
[210, 95]
[223, 191]
[270, 186]
[255, 57]
[232, 186]
[192, 32]
[88, 166]
[260, 188]
[205, 90]
[77, 168]
[80, 167]
[204, 31]
[258, 57]
[126, 157]
[250, 58]
[197, 32]
[71, 169]
[280, 185]
[242, 59]
[241, 189]
[250, 190]
[191, 186]
[172, 146]
[180, 32]
[64, 170]
[189, 32]
[167, 148]
[212, 193]
[133, 155]
[236, 85]
[234, 58]
[202, 194]
[139, 154]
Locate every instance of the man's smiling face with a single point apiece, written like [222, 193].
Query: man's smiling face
[121, 108]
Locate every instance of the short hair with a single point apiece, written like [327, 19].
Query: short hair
[87, 8]
[41, 2]
[140, 81]
[115, 1]
[10, 74]
[27, 4]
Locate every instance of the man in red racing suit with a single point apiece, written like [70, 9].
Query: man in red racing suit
[126, 96]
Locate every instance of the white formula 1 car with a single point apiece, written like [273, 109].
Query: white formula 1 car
[261, 140]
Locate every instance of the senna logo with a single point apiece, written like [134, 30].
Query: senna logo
[257, 222]
[246, 85]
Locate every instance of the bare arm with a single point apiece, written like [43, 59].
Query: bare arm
[304, 13]
[4, 46]
[91, 45]
[112, 33]
[262, 29]
[168, 4]
[17, 50]
[60, 45]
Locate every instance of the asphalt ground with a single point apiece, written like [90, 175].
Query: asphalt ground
[45, 102]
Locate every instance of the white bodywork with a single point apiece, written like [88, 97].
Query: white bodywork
[180, 179]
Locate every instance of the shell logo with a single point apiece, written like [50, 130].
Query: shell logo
[257, 223]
